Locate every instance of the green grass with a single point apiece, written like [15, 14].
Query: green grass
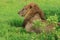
[11, 22]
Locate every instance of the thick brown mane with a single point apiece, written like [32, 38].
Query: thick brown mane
[29, 11]
[33, 8]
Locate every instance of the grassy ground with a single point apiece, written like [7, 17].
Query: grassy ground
[10, 22]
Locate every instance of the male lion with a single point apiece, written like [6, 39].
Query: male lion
[30, 13]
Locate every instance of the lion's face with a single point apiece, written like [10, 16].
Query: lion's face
[26, 9]
[23, 11]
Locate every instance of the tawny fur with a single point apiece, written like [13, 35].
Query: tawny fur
[30, 13]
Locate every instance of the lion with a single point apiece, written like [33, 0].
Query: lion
[30, 13]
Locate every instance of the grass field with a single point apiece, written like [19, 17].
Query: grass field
[11, 23]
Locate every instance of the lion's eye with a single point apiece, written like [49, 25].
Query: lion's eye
[22, 9]
[30, 7]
